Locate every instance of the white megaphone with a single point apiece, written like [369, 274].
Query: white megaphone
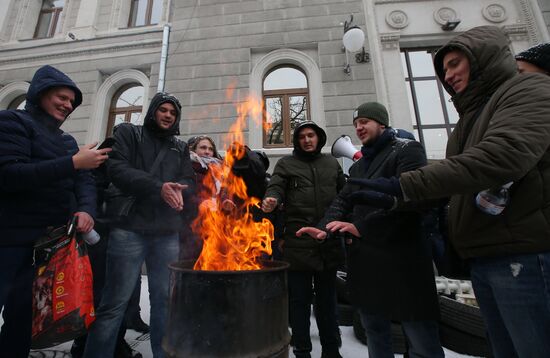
[342, 147]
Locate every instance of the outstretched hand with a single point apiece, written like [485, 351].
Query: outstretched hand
[372, 198]
[389, 186]
[313, 232]
[171, 193]
[343, 227]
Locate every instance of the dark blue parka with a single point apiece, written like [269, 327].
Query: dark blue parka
[39, 186]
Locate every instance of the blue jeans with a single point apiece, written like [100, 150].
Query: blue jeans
[422, 337]
[300, 292]
[16, 276]
[513, 293]
[126, 253]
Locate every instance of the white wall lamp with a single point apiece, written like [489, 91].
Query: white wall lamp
[353, 40]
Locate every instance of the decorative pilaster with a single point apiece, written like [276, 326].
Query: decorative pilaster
[86, 19]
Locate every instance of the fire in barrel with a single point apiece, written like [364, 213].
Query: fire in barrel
[230, 302]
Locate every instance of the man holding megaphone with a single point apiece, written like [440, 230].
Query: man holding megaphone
[389, 264]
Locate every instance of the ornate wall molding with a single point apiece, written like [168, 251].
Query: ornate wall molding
[84, 51]
[529, 18]
[444, 14]
[517, 32]
[390, 40]
[494, 13]
[397, 19]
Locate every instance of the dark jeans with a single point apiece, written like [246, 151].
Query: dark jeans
[98, 260]
[300, 298]
[513, 293]
[422, 337]
[133, 310]
[16, 276]
[125, 255]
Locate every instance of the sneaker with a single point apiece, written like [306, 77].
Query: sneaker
[137, 325]
[77, 349]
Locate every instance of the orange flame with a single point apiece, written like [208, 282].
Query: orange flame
[232, 240]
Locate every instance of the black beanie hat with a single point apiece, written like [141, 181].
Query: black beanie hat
[374, 111]
[538, 55]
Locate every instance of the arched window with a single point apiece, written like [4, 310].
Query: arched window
[49, 20]
[126, 106]
[18, 103]
[145, 12]
[286, 101]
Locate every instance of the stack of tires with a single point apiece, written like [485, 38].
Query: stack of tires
[462, 329]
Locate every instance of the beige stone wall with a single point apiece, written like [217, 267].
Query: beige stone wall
[218, 43]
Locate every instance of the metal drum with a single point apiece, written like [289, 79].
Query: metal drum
[236, 314]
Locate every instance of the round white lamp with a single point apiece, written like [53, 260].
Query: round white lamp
[353, 39]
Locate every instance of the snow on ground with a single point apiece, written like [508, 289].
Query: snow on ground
[351, 347]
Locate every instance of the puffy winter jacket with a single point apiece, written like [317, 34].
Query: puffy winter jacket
[502, 136]
[306, 183]
[39, 186]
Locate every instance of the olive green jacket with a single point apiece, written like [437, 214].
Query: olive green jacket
[305, 187]
[503, 135]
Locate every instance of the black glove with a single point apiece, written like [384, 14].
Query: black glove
[372, 198]
[389, 186]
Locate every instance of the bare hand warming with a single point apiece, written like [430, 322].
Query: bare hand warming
[171, 193]
[269, 204]
[342, 226]
[313, 232]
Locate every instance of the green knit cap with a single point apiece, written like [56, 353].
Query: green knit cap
[374, 111]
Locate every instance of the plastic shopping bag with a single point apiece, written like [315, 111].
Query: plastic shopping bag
[63, 306]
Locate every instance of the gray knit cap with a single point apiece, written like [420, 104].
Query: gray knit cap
[374, 111]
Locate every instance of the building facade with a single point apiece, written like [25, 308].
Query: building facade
[215, 54]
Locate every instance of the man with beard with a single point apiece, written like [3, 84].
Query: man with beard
[152, 165]
[389, 265]
[305, 183]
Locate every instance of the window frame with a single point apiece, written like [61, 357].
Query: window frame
[127, 111]
[54, 21]
[148, 13]
[410, 79]
[285, 95]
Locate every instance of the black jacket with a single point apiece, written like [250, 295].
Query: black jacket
[390, 267]
[39, 186]
[128, 167]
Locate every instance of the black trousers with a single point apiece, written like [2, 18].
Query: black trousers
[16, 276]
[301, 286]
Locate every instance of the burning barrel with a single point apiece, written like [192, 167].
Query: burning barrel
[229, 314]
